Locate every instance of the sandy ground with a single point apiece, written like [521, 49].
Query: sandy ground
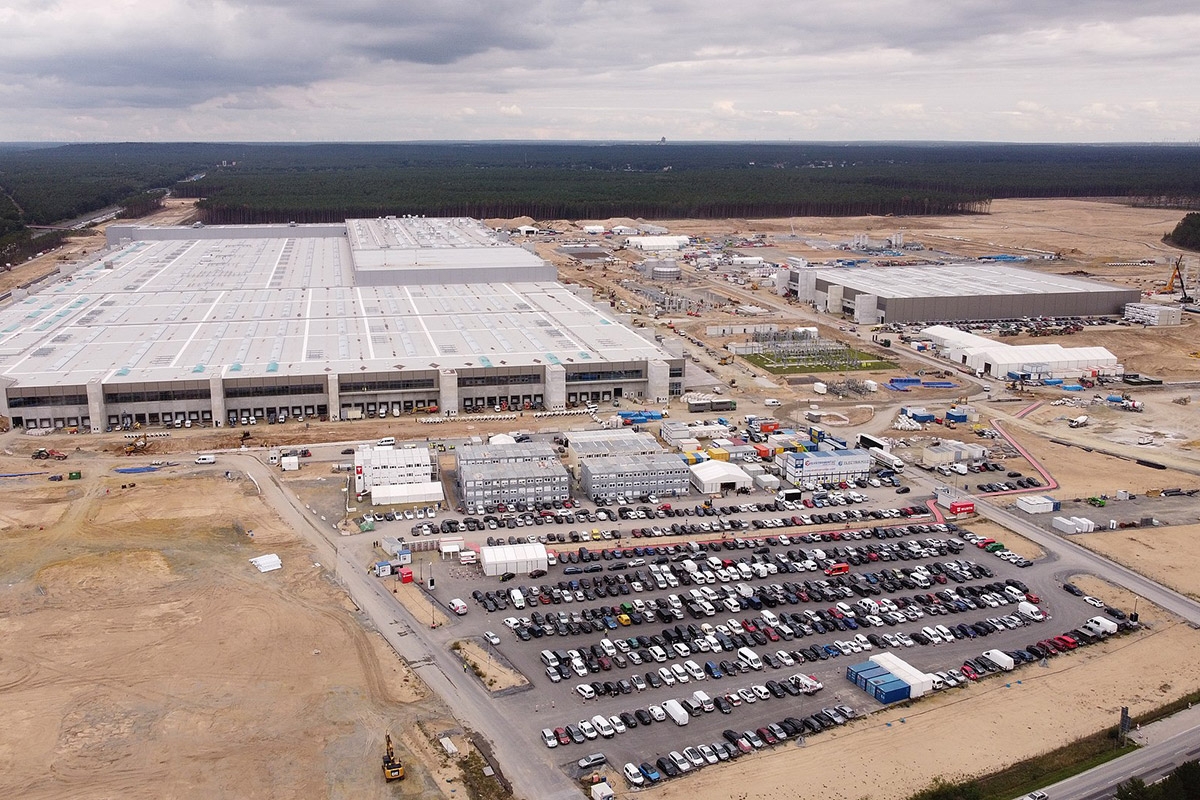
[1007, 723]
[1083, 474]
[496, 675]
[1158, 553]
[145, 657]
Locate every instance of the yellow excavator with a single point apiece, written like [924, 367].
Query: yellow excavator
[393, 770]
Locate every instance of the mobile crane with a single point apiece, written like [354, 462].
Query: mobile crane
[393, 770]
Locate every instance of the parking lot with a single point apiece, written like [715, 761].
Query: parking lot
[630, 621]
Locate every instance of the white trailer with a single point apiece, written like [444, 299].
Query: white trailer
[886, 459]
[1000, 659]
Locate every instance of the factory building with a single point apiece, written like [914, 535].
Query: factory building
[246, 324]
[979, 291]
[634, 476]
[824, 465]
[657, 243]
[1039, 361]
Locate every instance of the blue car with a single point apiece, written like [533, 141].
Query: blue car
[833, 651]
[712, 669]
[649, 772]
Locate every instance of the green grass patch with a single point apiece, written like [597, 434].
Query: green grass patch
[1019, 779]
[866, 361]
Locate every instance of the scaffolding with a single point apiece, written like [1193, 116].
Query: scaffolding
[801, 349]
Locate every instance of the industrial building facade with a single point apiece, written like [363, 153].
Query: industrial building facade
[374, 466]
[225, 325]
[484, 484]
[824, 465]
[963, 292]
[661, 474]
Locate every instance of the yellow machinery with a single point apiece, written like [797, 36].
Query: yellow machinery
[393, 770]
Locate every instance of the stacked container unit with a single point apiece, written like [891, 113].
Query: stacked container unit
[1083, 524]
[919, 683]
[892, 691]
[693, 457]
[768, 482]
[690, 445]
[1038, 505]
[956, 416]
[764, 452]
[718, 453]
[1064, 525]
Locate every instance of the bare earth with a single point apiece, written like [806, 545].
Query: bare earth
[145, 657]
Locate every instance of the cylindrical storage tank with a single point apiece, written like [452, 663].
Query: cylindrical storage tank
[666, 271]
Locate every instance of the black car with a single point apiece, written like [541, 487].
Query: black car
[667, 767]
[629, 719]
[643, 716]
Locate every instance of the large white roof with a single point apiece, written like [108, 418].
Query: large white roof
[283, 302]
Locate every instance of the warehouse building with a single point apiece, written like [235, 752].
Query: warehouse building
[634, 476]
[1032, 361]
[228, 324]
[657, 243]
[514, 558]
[961, 292]
[824, 465]
[524, 481]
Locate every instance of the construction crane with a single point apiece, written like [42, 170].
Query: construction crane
[393, 770]
[1177, 274]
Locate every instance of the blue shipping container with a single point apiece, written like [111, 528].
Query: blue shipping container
[877, 675]
[892, 692]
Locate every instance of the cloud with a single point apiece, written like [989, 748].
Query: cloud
[366, 69]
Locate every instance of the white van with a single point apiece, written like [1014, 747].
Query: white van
[517, 598]
[772, 403]
[750, 658]
[206, 459]
[387, 441]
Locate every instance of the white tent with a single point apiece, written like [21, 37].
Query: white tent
[712, 477]
[400, 494]
[512, 558]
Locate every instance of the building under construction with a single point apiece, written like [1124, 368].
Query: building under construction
[801, 348]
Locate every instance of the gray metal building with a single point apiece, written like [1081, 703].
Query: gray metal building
[962, 292]
[527, 481]
[662, 474]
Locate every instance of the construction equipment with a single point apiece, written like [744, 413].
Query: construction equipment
[42, 454]
[393, 770]
[137, 446]
[1177, 274]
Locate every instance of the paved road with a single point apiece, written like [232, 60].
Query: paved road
[438, 667]
[1150, 763]
[1073, 558]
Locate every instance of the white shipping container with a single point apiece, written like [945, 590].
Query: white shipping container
[289, 463]
[1065, 525]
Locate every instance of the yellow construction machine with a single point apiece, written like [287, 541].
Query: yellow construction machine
[393, 770]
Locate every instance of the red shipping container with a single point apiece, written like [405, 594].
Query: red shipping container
[406, 575]
[962, 507]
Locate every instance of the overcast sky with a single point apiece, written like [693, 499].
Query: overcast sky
[397, 70]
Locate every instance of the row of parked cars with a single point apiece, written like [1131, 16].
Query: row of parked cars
[732, 745]
[1008, 486]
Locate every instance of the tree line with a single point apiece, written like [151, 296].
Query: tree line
[1186, 234]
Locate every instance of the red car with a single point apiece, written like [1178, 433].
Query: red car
[969, 671]
[771, 634]
[563, 736]
[1033, 598]
[1065, 642]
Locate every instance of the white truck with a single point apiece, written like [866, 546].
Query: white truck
[1078, 422]
[886, 459]
[676, 712]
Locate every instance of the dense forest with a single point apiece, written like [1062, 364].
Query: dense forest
[1186, 233]
[319, 182]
